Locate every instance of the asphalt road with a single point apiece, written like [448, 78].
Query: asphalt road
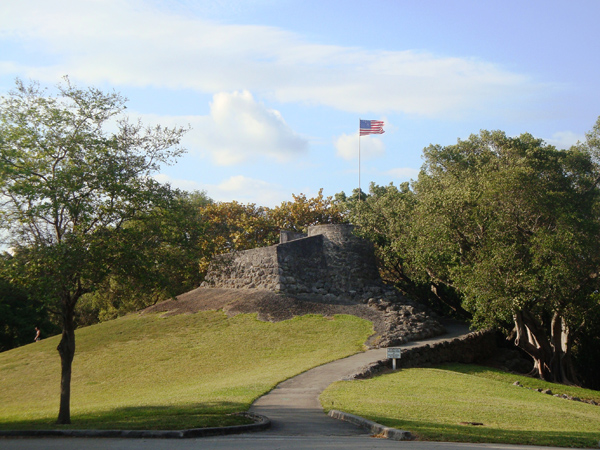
[257, 441]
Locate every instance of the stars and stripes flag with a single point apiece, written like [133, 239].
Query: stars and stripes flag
[371, 127]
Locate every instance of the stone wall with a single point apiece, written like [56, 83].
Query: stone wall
[350, 261]
[468, 349]
[330, 263]
[330, 266]
[302, 266]
[251, 269]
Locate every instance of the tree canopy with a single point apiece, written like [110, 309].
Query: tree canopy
[512, 226]
[74, 172]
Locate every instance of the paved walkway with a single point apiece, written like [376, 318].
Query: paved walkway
[294, 407]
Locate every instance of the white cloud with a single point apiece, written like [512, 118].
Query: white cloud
[404, 173]
[565, 139]
[238, 130]
[240, 188]
[185, 185]
[129, 42]
[370, 147]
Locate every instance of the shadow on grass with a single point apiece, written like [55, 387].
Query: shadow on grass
[428, 431]
[199, 415]
[470, 369]
[525, 380]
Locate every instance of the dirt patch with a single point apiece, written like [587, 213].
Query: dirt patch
[268, 305]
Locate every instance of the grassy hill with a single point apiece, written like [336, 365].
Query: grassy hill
[469, 403]
[176, 372]
[194, 369]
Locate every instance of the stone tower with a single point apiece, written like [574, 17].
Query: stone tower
[329, 263]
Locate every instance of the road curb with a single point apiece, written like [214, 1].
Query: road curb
[261, 423]
[373, 427]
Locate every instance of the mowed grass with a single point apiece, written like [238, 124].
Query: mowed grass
[431, 403]
[184, 371]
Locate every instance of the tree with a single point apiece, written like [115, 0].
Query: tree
[68, 187]
[19, 313]
[304, 212]
[165, 251]
[233, 226]
[386, 217]
[512, 224]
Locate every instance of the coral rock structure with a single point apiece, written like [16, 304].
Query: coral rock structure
[329, 265]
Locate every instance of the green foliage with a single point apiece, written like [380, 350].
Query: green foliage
[505, 228]
[511, 223]
[304, 212]
[387, 218]
[68, 186]
[586, 350]
[19, 315]
[175, 372]
[165, 248]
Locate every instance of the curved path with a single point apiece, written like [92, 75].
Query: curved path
[294, 407]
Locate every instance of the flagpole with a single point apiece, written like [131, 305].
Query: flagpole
[359, 160]
[374, 127]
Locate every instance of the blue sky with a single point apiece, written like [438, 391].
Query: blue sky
[274, 89]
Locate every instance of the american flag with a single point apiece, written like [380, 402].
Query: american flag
[371, 127]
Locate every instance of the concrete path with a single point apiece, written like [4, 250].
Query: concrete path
[294, 407]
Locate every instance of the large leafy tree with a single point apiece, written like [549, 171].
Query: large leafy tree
[166, 248]
[506, 229]
[73, 173]
[386, 216]
[512, 224]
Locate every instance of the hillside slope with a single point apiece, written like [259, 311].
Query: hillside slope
[169, 371]
[396, 319]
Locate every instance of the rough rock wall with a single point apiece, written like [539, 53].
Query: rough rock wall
[331, 262]
[350, 261]
[468, 349]
[256, 268]
[302, 266]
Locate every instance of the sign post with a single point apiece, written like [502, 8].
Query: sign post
[394, 353]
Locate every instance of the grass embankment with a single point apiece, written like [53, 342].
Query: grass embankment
[432, 404]
[184, 371]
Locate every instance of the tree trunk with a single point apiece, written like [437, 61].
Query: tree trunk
[66, 350]
[551, 353]
[562, 338]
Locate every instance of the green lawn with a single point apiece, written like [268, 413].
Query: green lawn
[432, 403]
[184, 371]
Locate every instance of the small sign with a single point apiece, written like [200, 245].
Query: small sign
[393, 353]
